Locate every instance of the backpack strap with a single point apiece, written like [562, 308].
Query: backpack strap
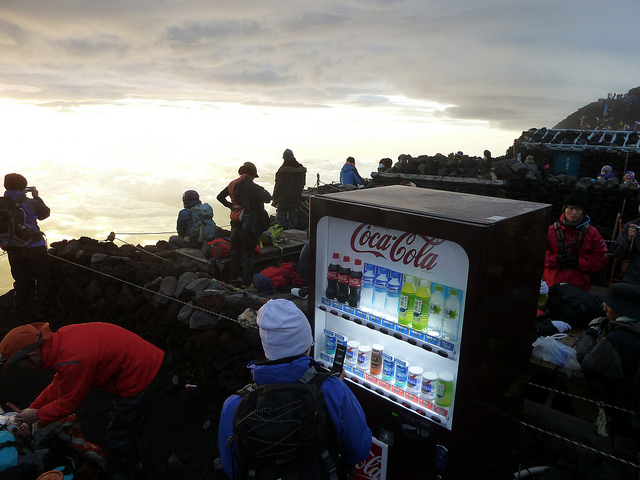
[313, 377]
[562, 241]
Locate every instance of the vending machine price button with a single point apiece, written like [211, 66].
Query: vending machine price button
[412, 341]
[397, 390]
[402, 329]
[397, 335]
[416, 334]
[441, 411]
[371, 326]
[411, 397]
[385, 385]
[444, 354]
[388, 323]
[349, 309]
[326, 301]
[361, 314]
[371, 378]
[375, 319]
[431, 340]
[447, 345]
[326, 358]
[426, 404]
[358, 373]
[427, 347]
[406, 404]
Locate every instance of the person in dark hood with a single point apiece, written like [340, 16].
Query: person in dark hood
[610, 351]
[575, 249]
[29, 264]
[287, 193]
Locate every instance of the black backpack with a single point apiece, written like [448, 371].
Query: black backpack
[14, 231]
[284, 431]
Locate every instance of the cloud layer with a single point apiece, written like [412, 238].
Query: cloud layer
[513, 64]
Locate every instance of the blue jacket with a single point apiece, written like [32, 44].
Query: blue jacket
[349, 175]
[344, 409]
[34, 209]
[185, 221]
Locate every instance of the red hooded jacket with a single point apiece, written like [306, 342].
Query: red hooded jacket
[592, 256]
[94, 355]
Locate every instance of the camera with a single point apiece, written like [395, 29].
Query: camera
[29, 189]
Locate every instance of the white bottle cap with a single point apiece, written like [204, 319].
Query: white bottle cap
[364, 348]
[377, 347]
[446, 377]
[353, 344]
[415, 371]
[430, 376]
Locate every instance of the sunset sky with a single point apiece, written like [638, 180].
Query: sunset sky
[113, 108]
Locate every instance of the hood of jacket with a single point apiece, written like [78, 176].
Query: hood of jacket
[274, 372]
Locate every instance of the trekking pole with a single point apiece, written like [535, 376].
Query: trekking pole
[13, 407]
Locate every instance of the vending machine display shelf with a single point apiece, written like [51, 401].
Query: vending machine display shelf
[401, 332]
[407, 400]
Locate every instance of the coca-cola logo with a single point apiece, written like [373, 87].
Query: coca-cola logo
[407, 248]
[371, 468]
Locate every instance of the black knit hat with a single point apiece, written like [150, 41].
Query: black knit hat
[190, 196]
[288, 155]
[14, 181]
[577, 198]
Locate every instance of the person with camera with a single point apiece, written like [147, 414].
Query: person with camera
[29, 261]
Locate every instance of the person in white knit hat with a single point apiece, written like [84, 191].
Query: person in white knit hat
[287, 341]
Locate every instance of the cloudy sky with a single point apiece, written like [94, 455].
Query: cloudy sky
[128, 103]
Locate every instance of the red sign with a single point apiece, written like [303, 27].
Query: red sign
[375, 466]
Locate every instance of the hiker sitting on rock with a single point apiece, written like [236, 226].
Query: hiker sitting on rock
[195, 224]
[610, 351]
[349, 176]
[84, 356]
[26, 247]
[287, 341]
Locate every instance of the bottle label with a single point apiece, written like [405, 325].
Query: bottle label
[343, 278]
[332, 274]
[417, 306]
[435, 309]
[450, 313]
[355, 282]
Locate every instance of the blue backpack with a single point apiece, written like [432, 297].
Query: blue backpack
[203, 228]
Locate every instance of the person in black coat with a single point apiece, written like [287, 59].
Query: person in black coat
[287, 193]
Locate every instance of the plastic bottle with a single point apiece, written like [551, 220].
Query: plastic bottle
[393, 296]
[380, 290]
[343, 280]
[368, 282]
[376, 358]
[421, 305]
[436, 307]
[451, 316]
[407, 299]
[355, 283]
[332, 277]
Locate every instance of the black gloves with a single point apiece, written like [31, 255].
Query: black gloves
[568, 260]
[595, 326]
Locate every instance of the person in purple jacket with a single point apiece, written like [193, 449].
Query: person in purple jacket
[287, 340]
[30, 264]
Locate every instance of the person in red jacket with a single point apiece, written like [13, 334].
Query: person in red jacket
[575, 249]
[90, 355]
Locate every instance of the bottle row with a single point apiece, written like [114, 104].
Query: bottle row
[405, 299]
[412, 382]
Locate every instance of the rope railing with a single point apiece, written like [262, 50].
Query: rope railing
[257, 297]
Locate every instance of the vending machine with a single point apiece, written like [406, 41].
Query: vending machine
[433, 295]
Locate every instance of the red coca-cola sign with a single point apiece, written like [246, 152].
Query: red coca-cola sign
[406, 248]
[375, 465]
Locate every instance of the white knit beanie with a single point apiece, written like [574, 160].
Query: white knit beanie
[284, 329]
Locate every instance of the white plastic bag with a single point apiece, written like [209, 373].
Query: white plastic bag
[553, 350]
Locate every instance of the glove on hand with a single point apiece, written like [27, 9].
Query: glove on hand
[595, 326]
[561, 326]
[568, 260]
